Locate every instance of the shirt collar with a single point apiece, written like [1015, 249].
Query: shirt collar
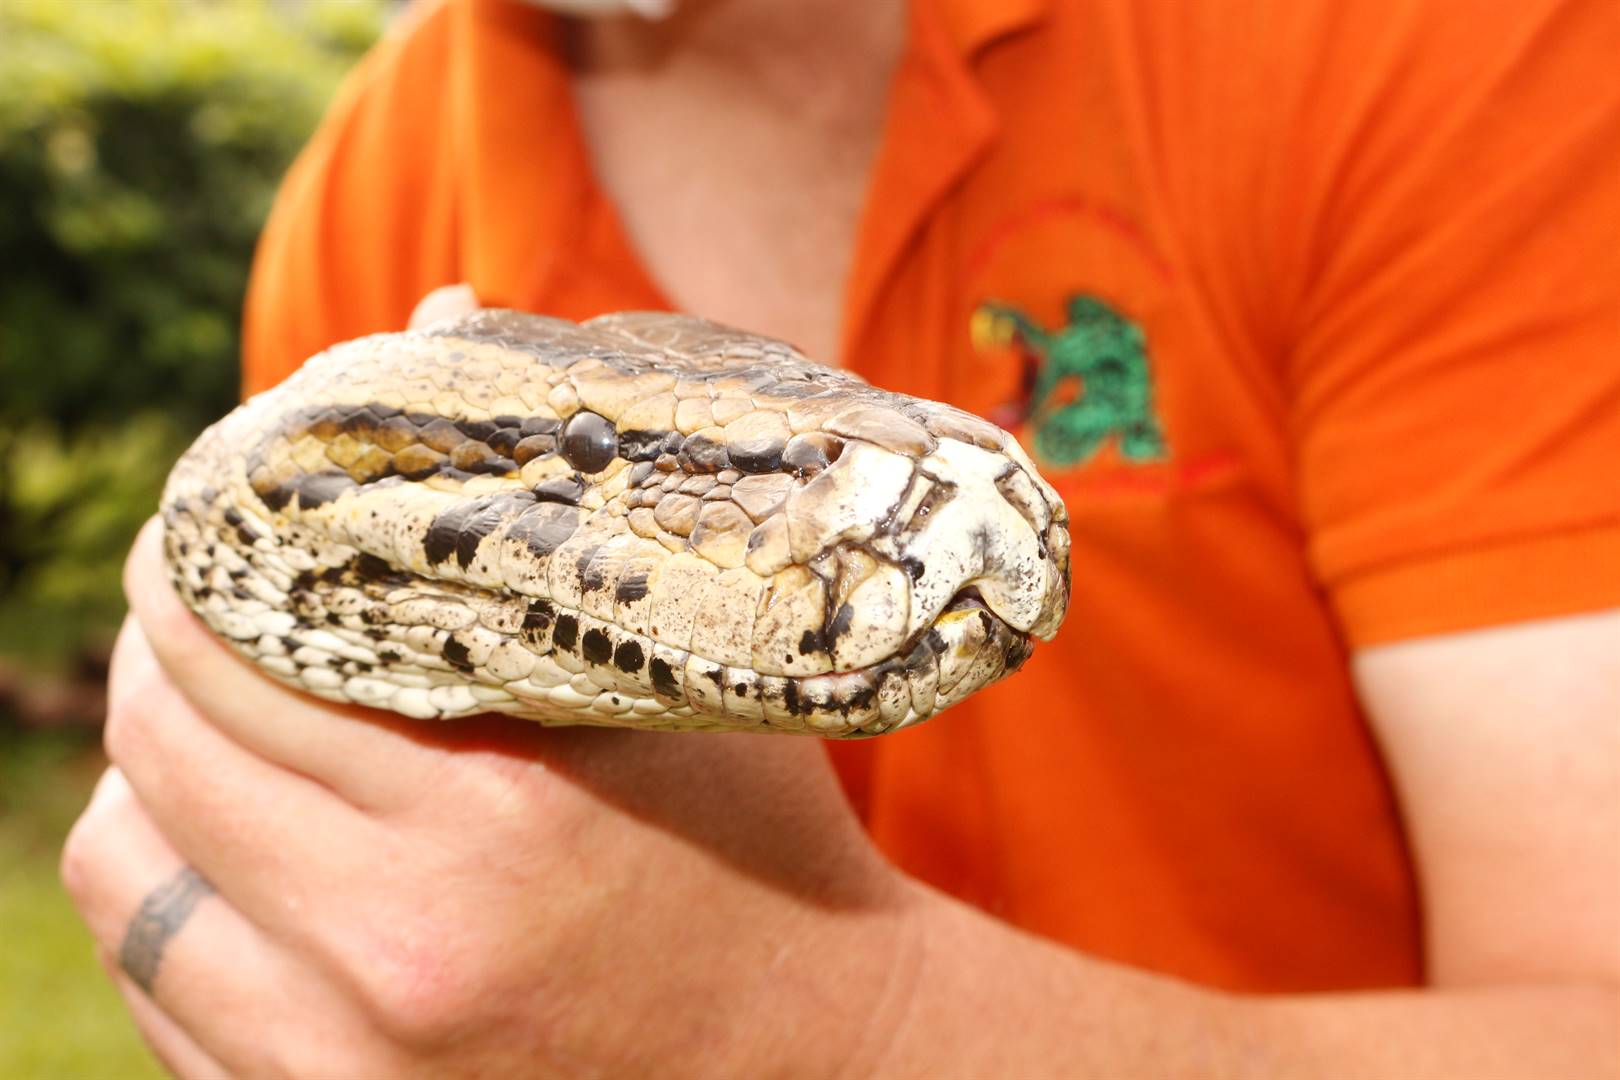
[974, 24]
[939, 124]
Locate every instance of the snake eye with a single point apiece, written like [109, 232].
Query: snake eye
[590, 442]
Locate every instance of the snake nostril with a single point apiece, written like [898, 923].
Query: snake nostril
[811, 452]
[923, 500]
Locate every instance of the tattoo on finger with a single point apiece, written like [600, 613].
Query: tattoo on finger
[161, 915]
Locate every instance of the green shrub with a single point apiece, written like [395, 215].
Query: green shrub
[141, 142]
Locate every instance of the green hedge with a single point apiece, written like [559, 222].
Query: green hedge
[140, 145]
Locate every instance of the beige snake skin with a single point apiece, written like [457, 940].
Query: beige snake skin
[644, 521]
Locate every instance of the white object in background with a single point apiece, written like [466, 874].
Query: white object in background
[647, 9]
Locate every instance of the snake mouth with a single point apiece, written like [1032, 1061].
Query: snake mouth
[969, 603]
[967, 598]
[965, 648]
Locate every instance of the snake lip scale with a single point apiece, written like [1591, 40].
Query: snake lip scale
[644, 520]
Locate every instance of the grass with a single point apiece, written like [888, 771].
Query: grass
[59, 1016]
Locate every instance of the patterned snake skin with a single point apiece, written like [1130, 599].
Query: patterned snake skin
[644, 521]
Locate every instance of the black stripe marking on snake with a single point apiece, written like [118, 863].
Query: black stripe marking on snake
[477, 430]
[545, 527]
[560, 489]
[596, 647]
[640, 446]
[361, 423]
[757, 455]
[504, 441]
[539, 615]
[463, 527]
[840, 624]
[368, 567]
[456, 654]
[591, 577]
[631, 587]
[234, 519]
[628, 657]
[701, 454]
[440, 542]
[663, 678]
[316, 489]
[567, 632]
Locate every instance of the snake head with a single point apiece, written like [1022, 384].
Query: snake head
[645, 521]
[928, 550]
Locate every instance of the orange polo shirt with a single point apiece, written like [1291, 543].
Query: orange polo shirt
[1310, 310]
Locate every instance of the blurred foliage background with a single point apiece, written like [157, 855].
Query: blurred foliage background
[141, 142]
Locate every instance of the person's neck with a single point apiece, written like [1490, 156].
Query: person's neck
[737, 141]
[776, 49]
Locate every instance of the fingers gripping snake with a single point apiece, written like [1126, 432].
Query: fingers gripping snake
[644, 520]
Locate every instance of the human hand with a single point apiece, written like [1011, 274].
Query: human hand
[372, 896]
[445, 302]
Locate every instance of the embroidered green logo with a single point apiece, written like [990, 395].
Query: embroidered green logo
[1085, 383]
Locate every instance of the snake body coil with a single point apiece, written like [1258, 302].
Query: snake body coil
[644, 520]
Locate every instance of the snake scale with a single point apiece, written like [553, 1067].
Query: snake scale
[643, 520]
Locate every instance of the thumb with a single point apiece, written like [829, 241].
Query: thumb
[445, 302]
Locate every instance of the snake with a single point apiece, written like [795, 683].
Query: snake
[643, 520]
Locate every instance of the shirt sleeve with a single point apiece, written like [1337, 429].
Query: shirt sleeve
[1455, 378]
[364, 223]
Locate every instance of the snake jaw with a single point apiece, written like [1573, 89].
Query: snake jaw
[645, 521]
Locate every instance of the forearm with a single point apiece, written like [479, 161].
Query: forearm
[1475, 1032]
[991, 1001]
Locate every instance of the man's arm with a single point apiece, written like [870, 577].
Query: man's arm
[1505, 750]
[1505, 746]
[613, 909]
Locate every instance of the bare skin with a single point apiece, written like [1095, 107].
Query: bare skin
[630, 921]
[740, 172]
